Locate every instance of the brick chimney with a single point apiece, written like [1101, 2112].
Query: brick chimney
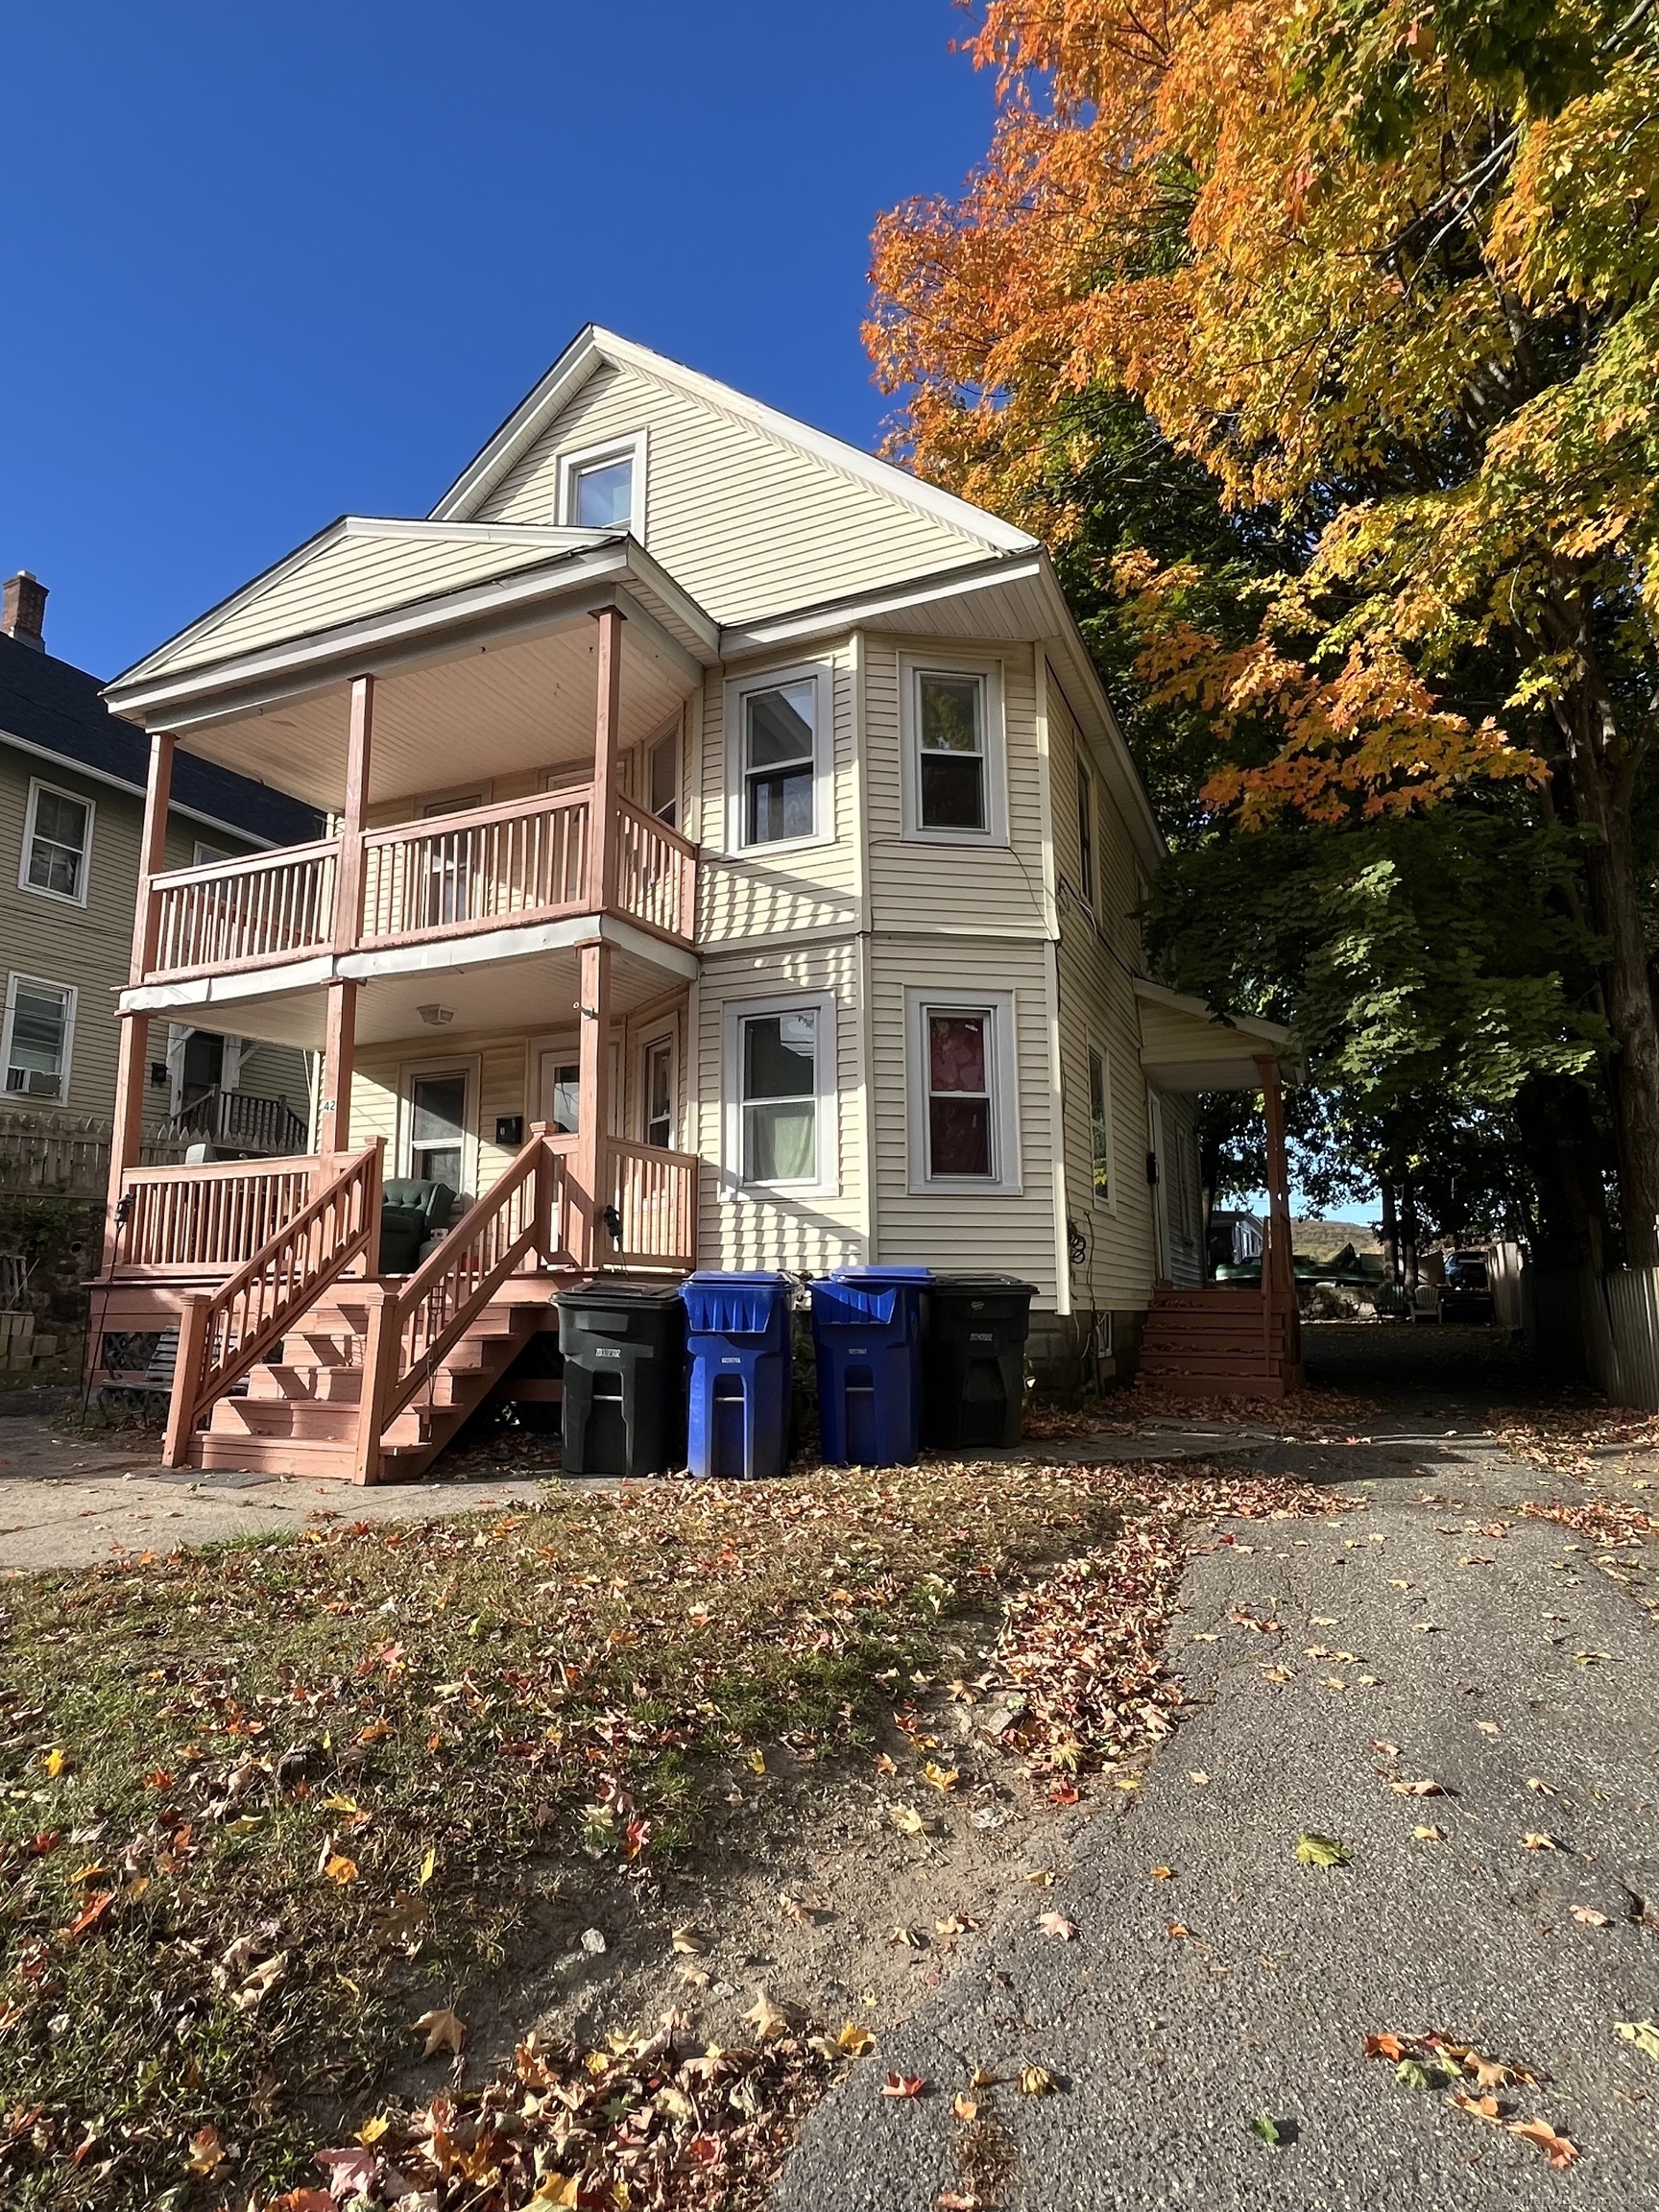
[23, 610]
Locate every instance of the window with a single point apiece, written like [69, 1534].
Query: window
[1099, 1128]
[56, 844]
[778, 739]
[950, 736]
[39, 1030]
[562, 1104]
[780, 1091]
[663, 778]
[952, 730]
[656, 1093]
[1086, 836]
[438, 1127]
[603, 487]
[210, 856]
[963, 1124]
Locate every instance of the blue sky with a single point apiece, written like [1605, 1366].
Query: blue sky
[267, 264]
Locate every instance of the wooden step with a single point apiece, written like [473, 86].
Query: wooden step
[303, 1455]
[292, 1417]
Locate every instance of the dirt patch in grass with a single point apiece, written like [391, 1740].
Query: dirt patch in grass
[269, 1805]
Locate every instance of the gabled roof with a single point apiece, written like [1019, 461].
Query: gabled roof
[53, 710]
[359, 565]
[594, 349]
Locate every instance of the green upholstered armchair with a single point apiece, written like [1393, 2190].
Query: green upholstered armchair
[410, 1213]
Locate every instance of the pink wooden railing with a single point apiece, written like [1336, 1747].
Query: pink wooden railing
[205, 1220]
[656, 874]
[655, 1193]
[481, 870]
[246, 913]
[220, 1337]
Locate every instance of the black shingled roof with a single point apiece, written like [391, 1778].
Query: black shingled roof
[49, 704]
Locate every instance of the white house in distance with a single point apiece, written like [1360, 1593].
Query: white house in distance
[734, 863]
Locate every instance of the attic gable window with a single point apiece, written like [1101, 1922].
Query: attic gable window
[603, 487]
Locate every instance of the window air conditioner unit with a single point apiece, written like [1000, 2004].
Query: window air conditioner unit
[32, 1082]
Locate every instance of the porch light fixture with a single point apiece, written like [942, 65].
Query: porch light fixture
[436, 1017]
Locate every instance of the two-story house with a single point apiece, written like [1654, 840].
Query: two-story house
[734, 862]
[72, 783]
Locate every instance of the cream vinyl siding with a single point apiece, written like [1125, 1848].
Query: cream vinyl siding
[800, 888]
[747, 524]
[1098, 1005]
[503, 1064]
[353, 575]
[757, 1231]
[89, 947]
[979, 1231]
[931, 884]
[275, 1071]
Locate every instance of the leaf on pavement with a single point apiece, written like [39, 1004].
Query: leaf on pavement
[942, 1778]
[905, 2085]
[964, 2106]
[443, 2028]
[1418, 1788]
[1057, 1927]
[1587, 1916]
[1644, 2034]
[766, 2018]
[907, 1820]
[1428, 1833]
[1389, 2047]
[1313, 1850]
[854, 2041]
[1535, 1842]
[1557, 2149]
[1266, 2128]
[1479, 2107]
[1034, 2082]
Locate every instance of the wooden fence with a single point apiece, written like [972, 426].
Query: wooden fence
[67, 1156]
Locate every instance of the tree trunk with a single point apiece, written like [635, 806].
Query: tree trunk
[1602, 778]
[1390, 1230]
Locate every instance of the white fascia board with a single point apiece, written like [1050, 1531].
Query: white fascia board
[68, 761]
[833, 615]
[595, 347]
[227, 606]
[1269, 1033]
[230, 990]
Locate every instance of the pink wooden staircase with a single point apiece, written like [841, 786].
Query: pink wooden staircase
[1218, 1342]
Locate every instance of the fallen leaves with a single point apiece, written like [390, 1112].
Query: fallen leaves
[1558, 2149]
[1034, 2082]
[767, 2019]
[443, 2028]
[1644, 2034]
[1441, 2062]
[1057, 1928]
[905, 2085]
[1587, 1916]
[1535, 1840]
[1267, 2128]
[1418, 1788]
[340, 1869]
[1314, 1850]
[854, 2041]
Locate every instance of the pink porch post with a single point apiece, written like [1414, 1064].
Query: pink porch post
[132, 1065]
[593, 1104]
[602, 829]
[1279, 1272]
[340, 1032]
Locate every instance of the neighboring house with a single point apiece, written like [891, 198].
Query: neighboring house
[72, 781]
[732, 808]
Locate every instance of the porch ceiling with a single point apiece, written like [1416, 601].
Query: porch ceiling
[492, 709]
[523, 996]
[1184, 1046]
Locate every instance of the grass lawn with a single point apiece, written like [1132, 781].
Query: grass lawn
[267, 1806]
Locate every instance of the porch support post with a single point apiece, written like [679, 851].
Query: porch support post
[602, 832]
[339, 1058]
[594, 1108]
[132, 1054]
[349, 873]
[1279, 1275]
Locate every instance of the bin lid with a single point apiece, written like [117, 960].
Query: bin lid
[840, 1301]
[971, 1285]
[605, 1295]
[745, 1303]
[873, 1276]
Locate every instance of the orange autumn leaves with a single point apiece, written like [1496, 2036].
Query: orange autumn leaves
[1180, 205]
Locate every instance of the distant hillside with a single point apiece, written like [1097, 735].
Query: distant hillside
[1323, 1239]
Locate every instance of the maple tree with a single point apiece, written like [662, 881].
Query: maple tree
[1382, 272]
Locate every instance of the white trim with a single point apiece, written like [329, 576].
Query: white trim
[1088, 811]
[410, 1072]
[633, 447]
[70, 996]
[988, 673]
[733, 1014]
[738, 689]
[1002, 1078]
[595, 347]
[1094, 1047]
[37, 784]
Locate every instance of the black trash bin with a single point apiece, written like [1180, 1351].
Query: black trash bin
[973, 1332]
[623, 1346]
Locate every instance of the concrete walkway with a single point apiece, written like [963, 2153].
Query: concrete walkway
[1433, 1637]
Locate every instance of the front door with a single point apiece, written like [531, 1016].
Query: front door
[438, 1127]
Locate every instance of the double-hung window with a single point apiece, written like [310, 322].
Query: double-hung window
[56, 844]
[40, 1031]
[603, 487]
[1100, 1127]
[1086, 836]
[964, 1133]
[656, 1091]
[952, 737]
[777, 730]
[779, 1089]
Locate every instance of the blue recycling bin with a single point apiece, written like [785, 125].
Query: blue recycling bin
[866, 1328]
[737, 1374]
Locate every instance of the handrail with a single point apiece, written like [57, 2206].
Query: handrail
[480, 817]
[656, 873]
[196, 1220]
[414, 1327]
[240, 914]
[486, 868]
[222, 1336]
[654, 1191]
[246, 863]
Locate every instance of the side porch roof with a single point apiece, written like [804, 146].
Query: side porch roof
[1184, 1046]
